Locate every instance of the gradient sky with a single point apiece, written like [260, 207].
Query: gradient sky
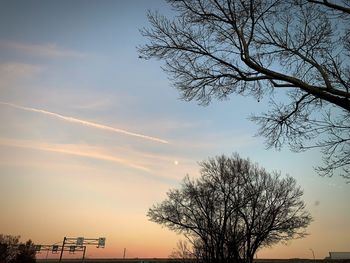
[91, 136]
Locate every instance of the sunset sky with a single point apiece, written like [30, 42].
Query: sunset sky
[91, 136]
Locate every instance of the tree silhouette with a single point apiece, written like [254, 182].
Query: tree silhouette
[260, 48]
[26, 253]
[12, 251]
[183, 252]
[8, 248]
[233, 209]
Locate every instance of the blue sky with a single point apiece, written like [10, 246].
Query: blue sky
[77, 110]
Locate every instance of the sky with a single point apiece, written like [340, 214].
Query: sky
[91, 136]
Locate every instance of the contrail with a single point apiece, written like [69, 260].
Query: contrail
[86, 123]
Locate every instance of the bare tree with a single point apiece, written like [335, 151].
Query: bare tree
[183, 252]
[294, 50]
[233, 209]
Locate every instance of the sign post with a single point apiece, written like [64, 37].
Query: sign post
[79, 244]
[72, 245]
[63, 243]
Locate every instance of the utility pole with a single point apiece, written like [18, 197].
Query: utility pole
[313, 254]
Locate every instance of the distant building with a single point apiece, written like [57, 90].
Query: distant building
[339, 255]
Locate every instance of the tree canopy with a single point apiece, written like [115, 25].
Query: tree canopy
[260, 48]
[233, 209]
[12, 251]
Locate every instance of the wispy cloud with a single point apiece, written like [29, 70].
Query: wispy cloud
[72, 149]
[45, 50]
[85, 123]
[15, 70]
